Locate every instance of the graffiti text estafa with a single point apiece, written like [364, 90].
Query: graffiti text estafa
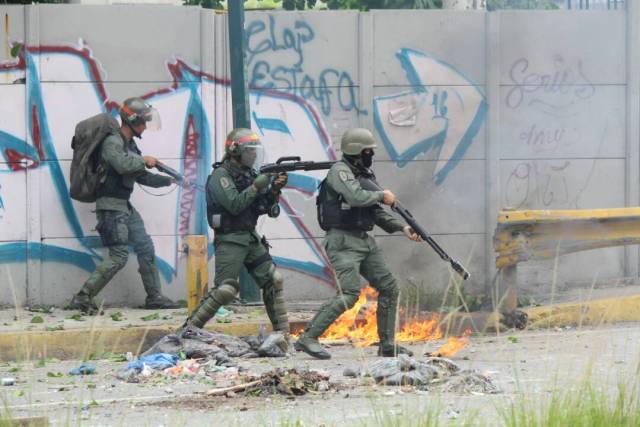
[328, 87]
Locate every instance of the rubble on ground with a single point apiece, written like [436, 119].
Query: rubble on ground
[433, 372]
[202, 352]
[288, 382]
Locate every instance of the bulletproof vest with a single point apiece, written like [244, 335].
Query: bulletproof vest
[336, 213]
[116, 185]
[224, 222]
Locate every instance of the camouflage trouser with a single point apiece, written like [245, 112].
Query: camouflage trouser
[119, 229]
[233, 251]
[355, 253]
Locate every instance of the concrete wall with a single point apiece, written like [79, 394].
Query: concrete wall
[473, 111]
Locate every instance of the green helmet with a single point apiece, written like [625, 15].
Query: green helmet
[136, 111]
[355, 140]
[244, 145]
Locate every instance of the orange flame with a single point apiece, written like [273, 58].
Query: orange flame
[362, 332]
[453, 345]
[362, 328]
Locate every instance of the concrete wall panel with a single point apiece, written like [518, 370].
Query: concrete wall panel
[545, 49]
[455, 207]
[437, 34]
[569, 123]
[562, 183]
[133, 42]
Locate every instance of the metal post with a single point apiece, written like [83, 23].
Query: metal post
[239, 87]
[240, 105]
[632, 164]
[196, 270]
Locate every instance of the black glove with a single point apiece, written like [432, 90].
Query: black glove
[280, 181]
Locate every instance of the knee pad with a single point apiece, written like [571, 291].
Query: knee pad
[276, 278]
[227, 291]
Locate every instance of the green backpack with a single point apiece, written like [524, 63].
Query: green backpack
[87, 171]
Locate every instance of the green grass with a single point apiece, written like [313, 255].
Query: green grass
[587, 406]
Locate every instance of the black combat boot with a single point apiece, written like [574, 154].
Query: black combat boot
[83, 302]
[388, 350]
[160, 302]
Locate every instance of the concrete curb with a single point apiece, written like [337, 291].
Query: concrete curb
[589, 313]
[81, 343]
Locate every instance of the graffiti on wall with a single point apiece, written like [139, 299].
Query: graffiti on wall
[40, 142]
[36, 136]
[550, 109]
[443, 119]
[276, 55]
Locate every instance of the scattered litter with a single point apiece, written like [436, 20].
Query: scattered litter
[146, 366]
[187, 367]
[8, 381]
[223, 312]
[348, 372]
[402, 370]
[470, 382]
[435, 371]
[197, 343]
[84, 369]
[290, 382]
[154, 361]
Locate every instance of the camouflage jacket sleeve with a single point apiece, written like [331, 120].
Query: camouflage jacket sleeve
[153, 180]
[387, 221]
[342, 180]
[123, 162]
[224, 191]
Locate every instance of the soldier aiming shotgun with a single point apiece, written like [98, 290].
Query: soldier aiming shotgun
[368, 182]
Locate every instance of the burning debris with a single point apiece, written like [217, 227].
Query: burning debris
[452, 346]
[361, 329]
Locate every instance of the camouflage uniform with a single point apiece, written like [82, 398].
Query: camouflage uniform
[352, 253]
[119, 223]
[233, 207]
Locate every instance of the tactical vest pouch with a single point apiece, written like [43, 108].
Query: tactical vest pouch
[338, 214]
[221, 220]
[112, 228]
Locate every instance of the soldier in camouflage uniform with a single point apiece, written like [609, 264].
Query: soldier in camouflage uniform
[347, 212]
[236, 197]
[119, 223]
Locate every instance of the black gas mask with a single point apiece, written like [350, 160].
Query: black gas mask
[362, 161]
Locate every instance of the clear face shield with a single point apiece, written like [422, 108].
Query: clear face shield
[152, 119]
[252, 154]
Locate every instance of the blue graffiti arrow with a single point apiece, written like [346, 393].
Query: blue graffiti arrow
[447, 124]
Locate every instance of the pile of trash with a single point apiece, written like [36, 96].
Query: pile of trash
[197, 343]
[288, 382]
[195, 351]
[435, 371]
